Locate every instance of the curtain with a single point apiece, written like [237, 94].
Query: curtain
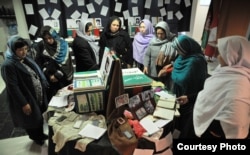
[224, 18]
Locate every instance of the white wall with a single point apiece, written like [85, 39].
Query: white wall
[21, 20]
[198, 17]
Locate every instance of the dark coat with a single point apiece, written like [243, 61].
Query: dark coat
[20, 91]
[84, 55]
[122, 45]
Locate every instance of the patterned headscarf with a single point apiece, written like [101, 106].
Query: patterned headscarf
[10, 54]
[59, 50]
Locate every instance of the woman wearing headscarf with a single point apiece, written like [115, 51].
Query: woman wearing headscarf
[141, 41]
[189, 74]
[118, 40]
[222, 108]
[26, 89]
[85, 48]
[156, 45]
[54, 59]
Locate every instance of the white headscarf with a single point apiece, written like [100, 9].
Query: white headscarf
[91, 39]
[226, 94]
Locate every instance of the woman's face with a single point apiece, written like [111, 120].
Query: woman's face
[142, 28]
[160, 34]
[114, 27]
[48, 39]
[89, 32]
[22, 52]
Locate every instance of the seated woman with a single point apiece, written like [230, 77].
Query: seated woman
[85, 48]
[54, 59]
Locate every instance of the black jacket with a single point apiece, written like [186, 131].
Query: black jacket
[84, 55]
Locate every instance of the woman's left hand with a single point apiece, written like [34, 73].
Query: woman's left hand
[53, 78]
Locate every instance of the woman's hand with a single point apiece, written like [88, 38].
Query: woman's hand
[160, 59]
[27, 109]
[53, 78]
[182, 100]
[145, 70]
[162, 72]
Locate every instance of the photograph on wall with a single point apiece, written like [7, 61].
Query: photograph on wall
[137, 20]
[98, 22]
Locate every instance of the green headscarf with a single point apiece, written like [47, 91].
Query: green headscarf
[190, 67]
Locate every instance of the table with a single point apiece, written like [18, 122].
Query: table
[98, 147]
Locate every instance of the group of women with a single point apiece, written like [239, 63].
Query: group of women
[216, 106]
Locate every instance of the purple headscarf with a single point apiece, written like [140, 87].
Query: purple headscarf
[141, 41]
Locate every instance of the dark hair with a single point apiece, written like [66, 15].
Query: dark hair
[20, 43]
[45, 31]
[87, 26]
[157, 28]
[111, 19]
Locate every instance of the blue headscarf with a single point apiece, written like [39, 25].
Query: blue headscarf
[10, 54]
[190, 67]
[59, 51]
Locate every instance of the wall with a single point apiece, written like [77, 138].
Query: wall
[199, 14]
[198, 17]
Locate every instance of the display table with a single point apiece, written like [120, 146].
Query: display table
[101, 146]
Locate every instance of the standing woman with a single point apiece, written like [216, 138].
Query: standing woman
[115, 38]
[26, 89]
[156, 45]
[189, 74]
[54, 59]
[141, 42]
[85, 48]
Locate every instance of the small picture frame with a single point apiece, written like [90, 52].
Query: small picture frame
[98, 22]
[160, 19]
[121, 100]
[89, 101]
[137, 20]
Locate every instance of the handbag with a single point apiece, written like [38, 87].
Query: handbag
[120, 132]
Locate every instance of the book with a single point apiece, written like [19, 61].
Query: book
[166, 108]
[107, 65]
[91, 83]
[97, 79]
[135, 77]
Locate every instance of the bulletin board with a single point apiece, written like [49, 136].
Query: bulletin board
[59, 13]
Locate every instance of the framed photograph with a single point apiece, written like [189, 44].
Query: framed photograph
[121, 100]
[89, 101]
[160, 19]
[137, 20]
[98, 22]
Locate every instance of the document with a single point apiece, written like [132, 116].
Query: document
[92, 131]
